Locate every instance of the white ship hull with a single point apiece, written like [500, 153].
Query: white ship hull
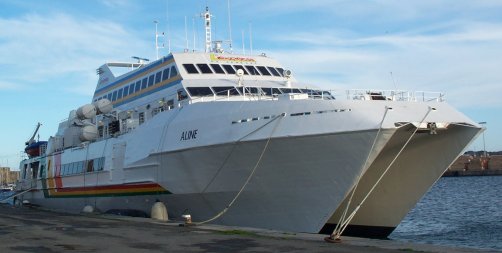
[421, 163]
[296, 185]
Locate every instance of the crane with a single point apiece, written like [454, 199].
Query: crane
[32, 139]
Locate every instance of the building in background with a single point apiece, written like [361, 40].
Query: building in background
[8, 177]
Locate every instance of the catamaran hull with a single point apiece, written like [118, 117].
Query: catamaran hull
[295, 184]
[416, 169]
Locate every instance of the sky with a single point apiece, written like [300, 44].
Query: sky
[50, 50]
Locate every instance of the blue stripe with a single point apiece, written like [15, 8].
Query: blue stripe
[168, 85]
[141, 71]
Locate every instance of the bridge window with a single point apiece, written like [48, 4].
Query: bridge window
[204, 68]
[138, 86]
[229, 69]
[144, 83]
[199, 91]
[190, 68]
[174, 72]
[253, 90]
[274, 71]
[158, 77]
[263, 71]
[217, 69]
[281, 71]
[165, 74]
[252, 70]
[150, 80]
[131, 88]
[119, 95]
[126, 91]
[241, 67]
[225, 90]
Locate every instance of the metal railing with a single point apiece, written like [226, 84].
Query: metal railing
[354, 94]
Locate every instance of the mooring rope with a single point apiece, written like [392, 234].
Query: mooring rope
[252, 171]
[336, 234]
[362, 171]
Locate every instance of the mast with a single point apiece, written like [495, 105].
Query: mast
[207, 23]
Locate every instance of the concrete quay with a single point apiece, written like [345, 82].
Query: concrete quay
[24, 229]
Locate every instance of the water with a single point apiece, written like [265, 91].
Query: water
[4, 195]
[457, 211]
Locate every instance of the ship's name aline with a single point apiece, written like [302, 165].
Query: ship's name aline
[189, 135]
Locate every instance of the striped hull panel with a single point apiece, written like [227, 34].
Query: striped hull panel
[146, 188]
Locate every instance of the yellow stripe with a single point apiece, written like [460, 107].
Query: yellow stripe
[136, 77]
[172, 79]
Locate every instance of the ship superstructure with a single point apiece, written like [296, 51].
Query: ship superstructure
[237, 140]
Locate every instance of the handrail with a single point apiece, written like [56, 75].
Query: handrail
[353, 94]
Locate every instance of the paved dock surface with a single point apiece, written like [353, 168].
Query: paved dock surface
[38, 231]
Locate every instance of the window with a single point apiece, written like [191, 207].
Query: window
[263, 71]
[138, 86]
[182, 94]
[97, 164]
[141, 118]
[229, 69]
[150, 80]
[114, 96]
[109, 96]
[199, 91]
[89, 166]
[281, 71]
[80, 167]
[165, 74]
[126, 91]
[174, 72]
[225, 90]
[217, 69]
[252, 70]
[271, 91]
[158, 77]
[286, 90]
[119, 95]
[190, 68]
[253, 90]
[274, 71]
[131, 88]
[204, 68]
[241, 67]
[143, 83]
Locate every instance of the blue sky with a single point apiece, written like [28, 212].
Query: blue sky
[49, 50]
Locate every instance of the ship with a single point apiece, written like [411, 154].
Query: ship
[235, 139]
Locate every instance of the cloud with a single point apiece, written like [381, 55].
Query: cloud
[462, 61]
[60, 46]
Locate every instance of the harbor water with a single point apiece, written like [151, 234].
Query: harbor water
[458, 211]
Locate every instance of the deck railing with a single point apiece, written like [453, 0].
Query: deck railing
[355, 94]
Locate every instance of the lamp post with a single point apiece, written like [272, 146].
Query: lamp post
[484, 146]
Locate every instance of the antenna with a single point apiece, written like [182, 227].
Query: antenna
[193, 31]
[157, 35]
[395, 84]
[207, 22]
[229, 26]
[186, 35]
[251, 37]
[243, 45]
[168, 28]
